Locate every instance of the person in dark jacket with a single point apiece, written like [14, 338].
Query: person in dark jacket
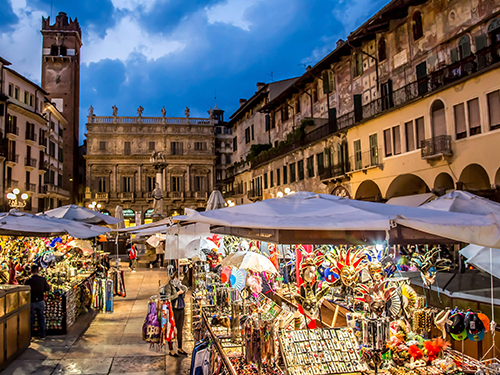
[38, 286]
[175, 292]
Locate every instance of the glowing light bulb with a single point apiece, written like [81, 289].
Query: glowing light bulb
[99, 205]
[24, 196]
[280, 194]
[379, 247]
[287, 191]
[11, 196]
[16, 191]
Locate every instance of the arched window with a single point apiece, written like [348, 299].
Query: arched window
[418, 31]
[464, 49]
[438, 119]
[382, 55]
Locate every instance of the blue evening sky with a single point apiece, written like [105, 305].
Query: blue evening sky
[178, 53]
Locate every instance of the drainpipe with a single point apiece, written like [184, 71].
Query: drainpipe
[367, 54]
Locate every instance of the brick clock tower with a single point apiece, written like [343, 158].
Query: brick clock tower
[61, 79]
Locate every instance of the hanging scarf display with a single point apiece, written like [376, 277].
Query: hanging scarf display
[118, 280]
[151, 326]
[168, 329]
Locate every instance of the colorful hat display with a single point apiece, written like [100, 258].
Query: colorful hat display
[485, 320]
[474, 326]
[455, 326]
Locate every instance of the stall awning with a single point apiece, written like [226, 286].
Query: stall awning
[329, 216]
[415, 200]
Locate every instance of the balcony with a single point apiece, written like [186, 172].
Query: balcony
[30, 163]
[43, 142]
[127, 196]
[200, 194]
[31, 137]
[437, 147]
[31, 187]
[43, 166]
[11, 131]
[102, 197]
[12, 159]
[42, 189]
[228, 194]
[254, 195]
[176, 195]
[365, 160]
[57, 191]
[334, 171]
[11, 184]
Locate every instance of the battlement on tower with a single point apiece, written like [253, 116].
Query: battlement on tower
[63, 23]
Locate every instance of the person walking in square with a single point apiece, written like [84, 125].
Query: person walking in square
[160, 254]
[132, 256]
[38, 286]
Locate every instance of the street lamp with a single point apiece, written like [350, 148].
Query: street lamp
[280, 194]
[16, 201]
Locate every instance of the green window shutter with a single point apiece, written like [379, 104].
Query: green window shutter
[454, 55]
[481, 42]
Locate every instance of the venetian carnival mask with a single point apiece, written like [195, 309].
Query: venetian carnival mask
[429, 265]
[348, 275]
[376, 297]
[376, 271]
[309, 274]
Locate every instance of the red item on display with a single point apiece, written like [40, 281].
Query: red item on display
[298, 260]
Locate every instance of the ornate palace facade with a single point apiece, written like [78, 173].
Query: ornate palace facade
[120, 170]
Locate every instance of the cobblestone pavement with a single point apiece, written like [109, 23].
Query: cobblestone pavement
[112, 343]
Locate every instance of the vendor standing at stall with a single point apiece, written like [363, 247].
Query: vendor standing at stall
[160, 254]
[175, 292]
[38, 286]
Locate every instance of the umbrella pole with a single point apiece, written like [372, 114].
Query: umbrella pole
[117, 262]
[493, 324]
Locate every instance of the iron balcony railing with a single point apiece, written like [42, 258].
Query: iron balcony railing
[42, 189]
[333, 171]
[254, 194]
[11, 184]
[12, 129]
[101, 196]
[176, 194]
[13, 158]
[31, 136]
[127, 195]
[30, 187]
[436, 147]
[30, 162]
[365, 159]
[201, 194]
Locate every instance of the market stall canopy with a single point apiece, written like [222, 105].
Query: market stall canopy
[306, 217]
[215, 201]
[15, 223]
[181, 240]
[81, 214]
[248, 260]
[479, 257]
[414, 200]
[464, 202]
[148, 229]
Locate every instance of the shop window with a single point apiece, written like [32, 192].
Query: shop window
[382, 55]
[418, 30]
[494, 109]
[474, 116]
[420, 131]
[460, 126]
[300, 167]
[310, 166]
[293, 177]
[410, 136]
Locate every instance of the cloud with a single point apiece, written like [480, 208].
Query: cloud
[127, 38]
[131, 5]
[231, 12]
[22, 45]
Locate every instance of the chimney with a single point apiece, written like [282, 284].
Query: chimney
[242, 102]
[340, 42]
[260, 85]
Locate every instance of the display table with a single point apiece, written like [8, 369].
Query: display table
[62, 307]
[14, 322]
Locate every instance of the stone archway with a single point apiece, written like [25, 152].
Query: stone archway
[474, 178]
[406, 184]
[368, 191]
[442, 183]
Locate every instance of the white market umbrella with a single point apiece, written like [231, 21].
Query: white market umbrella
[248, 260]
[15, 223]
[81, 214]
[215, 201]
[193, 248]
[464, 202]
[479, 257]
[84, 245]
[119, 216]
[154, 240]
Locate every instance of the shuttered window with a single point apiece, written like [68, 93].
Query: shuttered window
[387, 142]
[494, 109]
[410, 136]
[358, 163]
[460, 126]
[474, 116]
[396, 135]
[420, 131]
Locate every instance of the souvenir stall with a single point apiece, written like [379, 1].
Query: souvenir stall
[389, 328]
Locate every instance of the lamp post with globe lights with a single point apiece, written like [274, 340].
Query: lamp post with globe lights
[17, 200]
[95, 206]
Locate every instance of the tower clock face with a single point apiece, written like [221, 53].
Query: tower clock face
[341, 191]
